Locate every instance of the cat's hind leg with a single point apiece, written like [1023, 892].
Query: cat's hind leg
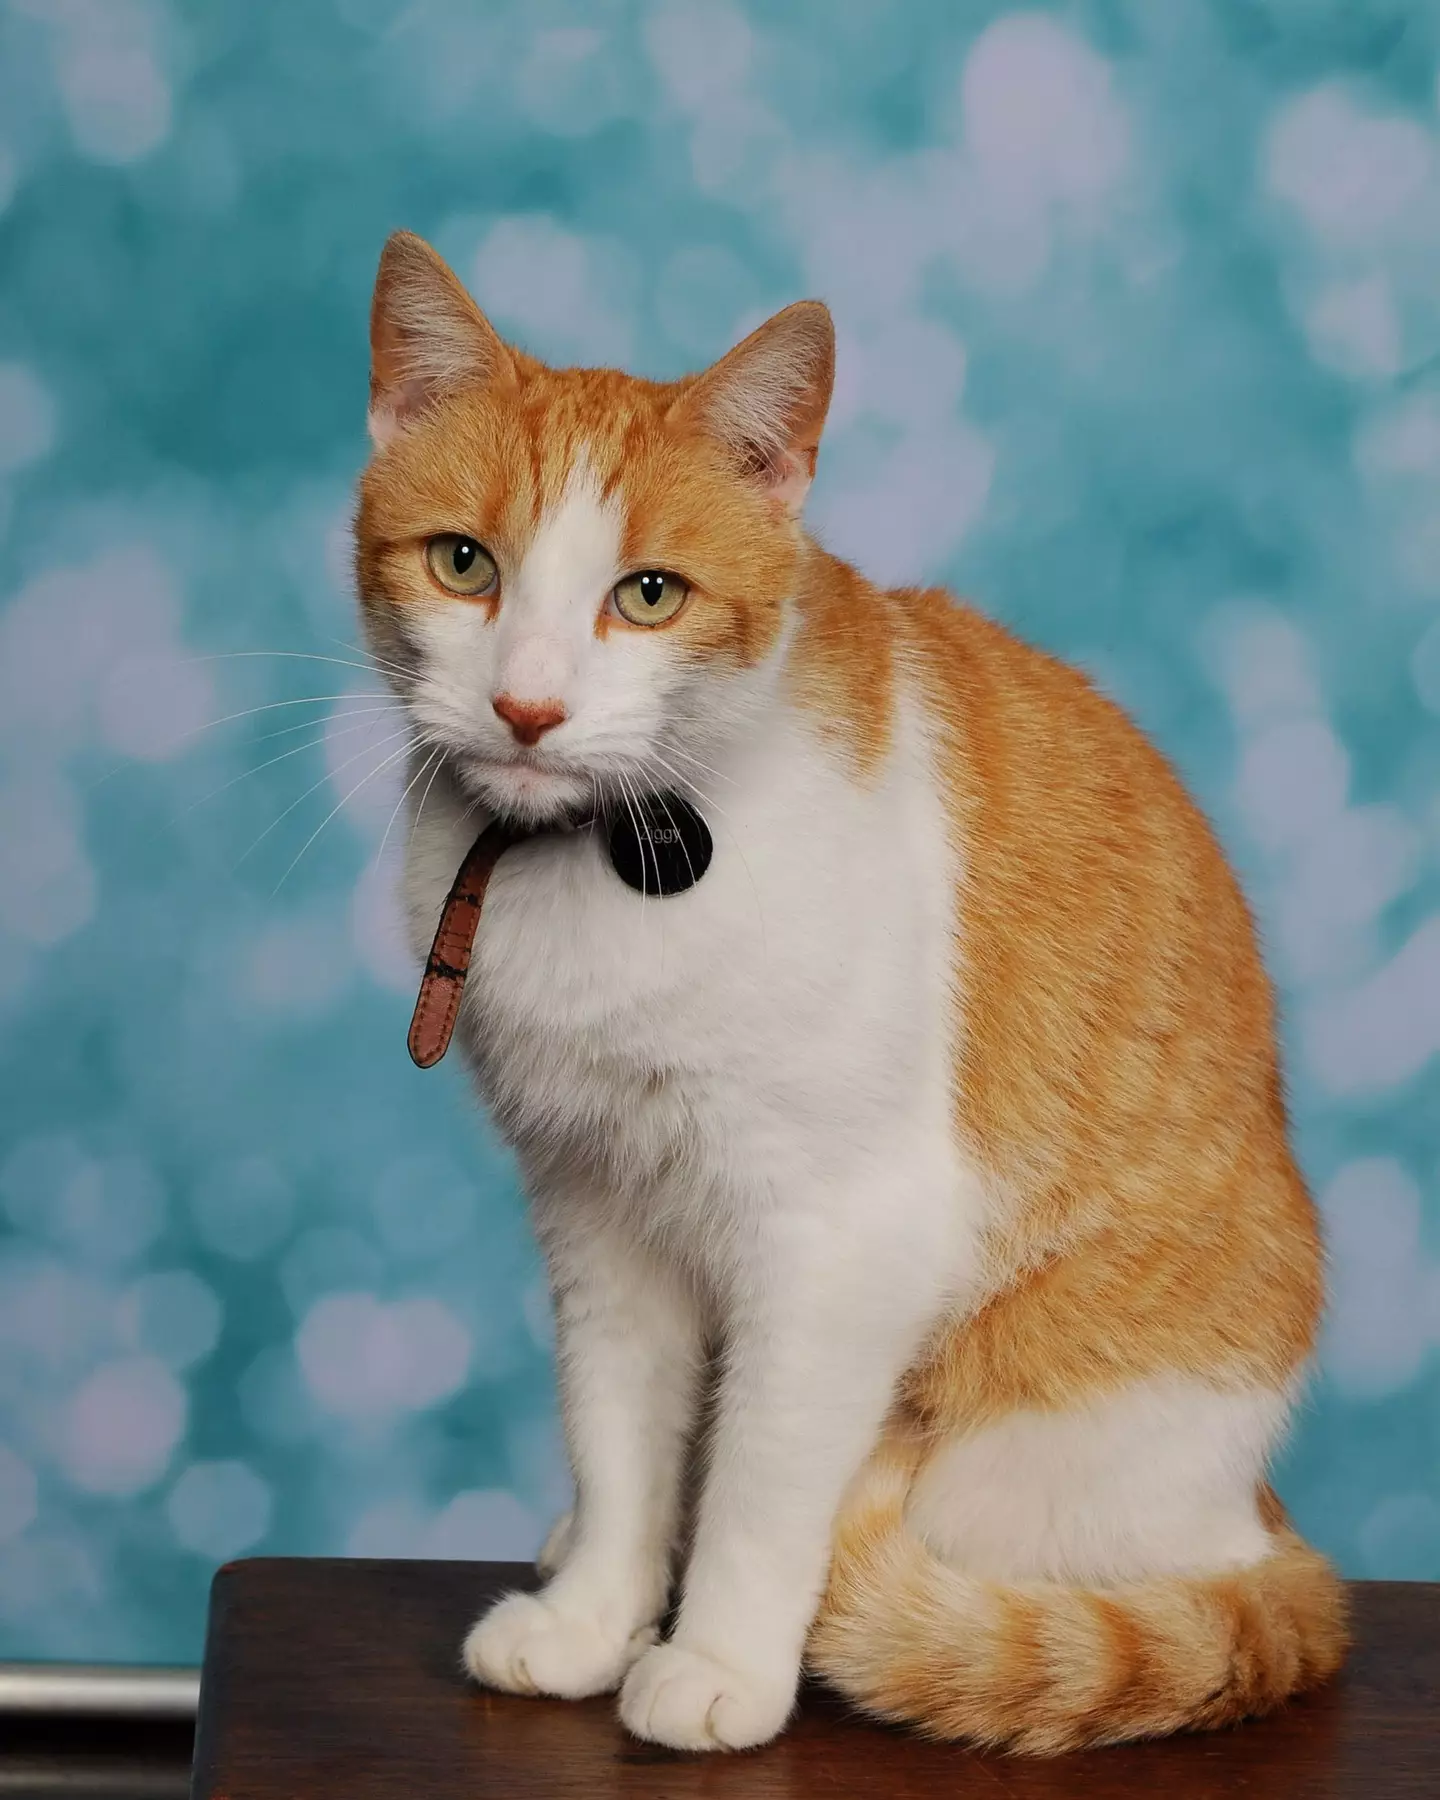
[1061, 1580]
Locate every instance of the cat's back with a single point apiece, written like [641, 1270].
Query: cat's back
[1069, 816]
[1021, 737]
[1023, 725]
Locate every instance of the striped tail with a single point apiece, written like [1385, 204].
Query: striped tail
[1043, 1667]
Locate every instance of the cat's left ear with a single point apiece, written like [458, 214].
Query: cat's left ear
[766, 401]
[427, 337]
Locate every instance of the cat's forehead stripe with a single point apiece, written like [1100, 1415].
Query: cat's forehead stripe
[564, 455]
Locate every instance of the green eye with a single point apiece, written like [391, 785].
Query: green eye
[460, 564]
[650, 598]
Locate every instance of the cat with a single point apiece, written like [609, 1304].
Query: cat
[931, 1148]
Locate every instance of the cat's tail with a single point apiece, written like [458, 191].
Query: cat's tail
[1043, 1667]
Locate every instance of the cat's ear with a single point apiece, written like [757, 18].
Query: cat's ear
[427, 337]
[766, 401]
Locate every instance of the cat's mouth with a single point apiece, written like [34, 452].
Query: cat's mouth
[527, 792]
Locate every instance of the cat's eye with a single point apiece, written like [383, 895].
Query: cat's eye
[650, 598]
[460, 564]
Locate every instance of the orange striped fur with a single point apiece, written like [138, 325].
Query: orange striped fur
[1042, 1667]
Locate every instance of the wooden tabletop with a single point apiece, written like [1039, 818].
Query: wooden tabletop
[331, 1678]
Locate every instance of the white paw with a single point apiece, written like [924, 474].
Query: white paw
[526, 1645]
[556, 1546]
[691, 1702]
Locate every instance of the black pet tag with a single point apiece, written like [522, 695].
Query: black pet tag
[659, 845]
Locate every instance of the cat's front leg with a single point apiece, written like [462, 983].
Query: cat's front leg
[629, 1354]
[817, 1336]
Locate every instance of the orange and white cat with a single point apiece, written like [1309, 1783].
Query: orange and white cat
[931, 1147]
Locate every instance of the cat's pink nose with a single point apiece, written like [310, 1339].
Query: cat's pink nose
[529, 720]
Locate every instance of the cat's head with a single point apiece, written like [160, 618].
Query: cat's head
[577, 579]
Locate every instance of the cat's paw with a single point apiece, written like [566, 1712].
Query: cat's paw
[527, 1645]
[691, 1702]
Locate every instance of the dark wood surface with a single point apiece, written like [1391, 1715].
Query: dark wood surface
[342, 1679]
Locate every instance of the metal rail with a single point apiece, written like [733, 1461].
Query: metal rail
[98, 1690]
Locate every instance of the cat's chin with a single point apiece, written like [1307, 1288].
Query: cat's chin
[525, 794]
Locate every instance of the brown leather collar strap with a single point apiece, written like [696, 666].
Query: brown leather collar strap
[449, 961]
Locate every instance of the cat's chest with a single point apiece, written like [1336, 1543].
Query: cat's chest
[574, 965]
[796, 984]
[585, 993]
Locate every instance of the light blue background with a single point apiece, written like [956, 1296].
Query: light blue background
[1139, 311]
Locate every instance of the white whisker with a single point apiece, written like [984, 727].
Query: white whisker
[679, 834]
[687, 781]
[639, 837]
[349, 712]
[437, 752]
[704, 767]
[440, 764]
[269, 763]
[344, 801]
[340, 662]
[404, 731]
[248, 712]
[385, 663]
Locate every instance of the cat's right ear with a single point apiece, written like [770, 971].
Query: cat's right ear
[766, 401]
[427, 337]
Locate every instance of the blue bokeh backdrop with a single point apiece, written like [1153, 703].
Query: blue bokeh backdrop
[1139, 312]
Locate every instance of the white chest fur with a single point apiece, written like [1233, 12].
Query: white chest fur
[783, 1020]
